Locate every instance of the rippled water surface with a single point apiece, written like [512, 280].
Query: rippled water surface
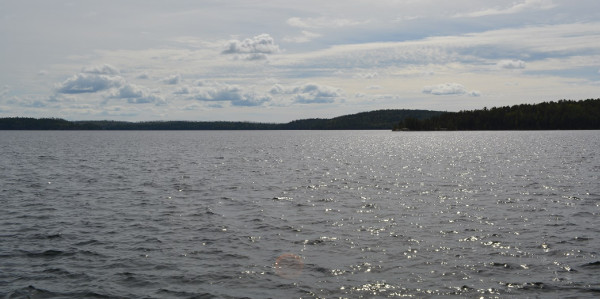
[355, 214]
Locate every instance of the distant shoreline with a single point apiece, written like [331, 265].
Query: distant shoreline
[561, 115]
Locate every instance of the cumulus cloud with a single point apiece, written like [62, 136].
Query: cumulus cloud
[449, 89]
[91, 79]
[88, 83]
[309, 93]
[183, 90]
[172, 80]
[234, 94]
[255, 48]
[511, 64]
[137, 95]
[143, 76]
[105, 69]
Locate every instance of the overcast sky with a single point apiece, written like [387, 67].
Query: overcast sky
[276, 61]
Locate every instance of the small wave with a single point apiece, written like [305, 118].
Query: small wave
[33, 292]
[181, 294]
[594, 265]
[48, 253]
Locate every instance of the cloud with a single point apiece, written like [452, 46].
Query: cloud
[322, 22]
[515, 8]
[28, 101]
[255, 48]
[449, 89]
[372, 75]
[234, 94]
[105, 69]
[305, 37]
[142, 76]
[511, 64]
[172, 80]
[183, 90]
[88, 83]
[308, 93]
[91, 79]
[4, 91]
[533, 43]
[137, 95]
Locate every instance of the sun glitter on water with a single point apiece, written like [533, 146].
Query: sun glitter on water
[289, 265]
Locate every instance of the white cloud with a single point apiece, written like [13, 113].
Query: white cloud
[255, 48]
[142, 76]
[305, 37]
[473, 48]
[29, 102]
[374, 87]
[511, 64]
[309, 93]
[372, 75]
[172, 80]
[323, 22]
[449, 89]
[515, 8]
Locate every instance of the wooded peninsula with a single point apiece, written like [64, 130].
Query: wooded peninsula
[561, 115]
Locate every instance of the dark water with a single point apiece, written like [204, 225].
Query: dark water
[365, 214]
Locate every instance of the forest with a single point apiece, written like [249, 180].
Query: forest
[373, 120]
[560, 115]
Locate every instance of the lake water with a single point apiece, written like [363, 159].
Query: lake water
[289, 214]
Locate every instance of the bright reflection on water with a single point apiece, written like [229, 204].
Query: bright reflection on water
[299, 214]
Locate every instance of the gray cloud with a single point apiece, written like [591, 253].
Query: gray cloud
[232, 93]
[511, 64]
[255, 48]
[172, 80]
[183, 90]
[91, 79]
[309, 93]
[449, 89]
[88, 83]
[4, 90]
[105, 69]
[137, 95]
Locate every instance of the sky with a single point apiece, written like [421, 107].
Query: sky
[277, 61]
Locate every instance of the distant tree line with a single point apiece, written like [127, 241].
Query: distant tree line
[373, 120]
[561, 115]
